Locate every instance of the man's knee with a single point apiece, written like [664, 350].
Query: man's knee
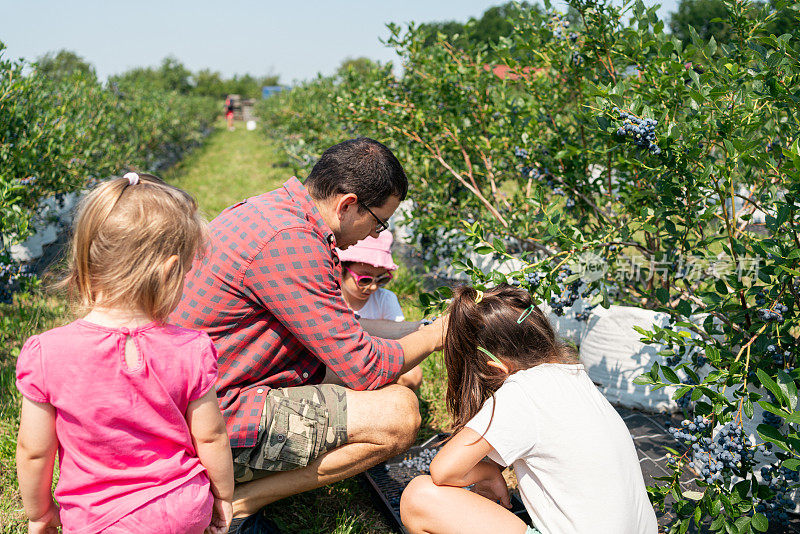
[404, 418]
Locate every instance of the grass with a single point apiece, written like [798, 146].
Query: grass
[29, 314]
[230, 166]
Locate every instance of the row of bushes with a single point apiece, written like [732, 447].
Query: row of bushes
[620, 166]
[58, 136]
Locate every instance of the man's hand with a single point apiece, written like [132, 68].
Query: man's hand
[48, 523]
[494, 487]
[437, 329]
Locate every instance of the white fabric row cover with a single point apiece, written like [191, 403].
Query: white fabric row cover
[614, 356]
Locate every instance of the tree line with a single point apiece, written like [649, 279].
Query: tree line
[170, 75]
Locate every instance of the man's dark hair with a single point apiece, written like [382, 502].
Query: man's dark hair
[361, 166]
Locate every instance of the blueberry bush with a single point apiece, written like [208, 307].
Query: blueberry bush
[58, 137]
[599, 140]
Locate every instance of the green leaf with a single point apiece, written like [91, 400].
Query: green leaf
[791, 463]
[742, 523]
[670, 375]
[680, 392]
[693, 495]
[787, 385]
[768, 433]
[760, 522]
[770, 384]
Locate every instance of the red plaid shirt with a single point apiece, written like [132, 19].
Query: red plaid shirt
[267, 292]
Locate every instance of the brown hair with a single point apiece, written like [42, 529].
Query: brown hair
[493, 322]
[123, 235]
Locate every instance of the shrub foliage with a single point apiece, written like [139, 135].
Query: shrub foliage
[600, 140]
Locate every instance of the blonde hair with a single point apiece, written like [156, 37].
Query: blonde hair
[123, 237]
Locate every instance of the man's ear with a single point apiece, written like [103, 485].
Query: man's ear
[346, 202]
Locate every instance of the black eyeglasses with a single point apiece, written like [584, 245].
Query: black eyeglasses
[380, 225]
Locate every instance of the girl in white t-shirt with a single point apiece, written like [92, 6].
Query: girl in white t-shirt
[518, 397]
[367, 266]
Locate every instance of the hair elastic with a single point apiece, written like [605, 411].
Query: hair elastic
[489, 354]
[132, 177]
[479, 296]
[526, 313]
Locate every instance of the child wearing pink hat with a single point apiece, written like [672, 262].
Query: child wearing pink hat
[366, 267]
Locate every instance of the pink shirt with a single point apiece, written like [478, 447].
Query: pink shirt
[122, 434]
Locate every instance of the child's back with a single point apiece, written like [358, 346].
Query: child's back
[518, 397]
[123, 437]
[574, 458]
[126, 401]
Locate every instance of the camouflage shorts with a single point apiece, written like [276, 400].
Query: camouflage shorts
[298, 425]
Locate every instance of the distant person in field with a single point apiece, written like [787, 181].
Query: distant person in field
[519, 397]
[367, 266]
[126, 400]
[229, 106]
[268, 292]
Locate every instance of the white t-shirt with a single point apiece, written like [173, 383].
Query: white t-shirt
[574, 458]
[382, 304]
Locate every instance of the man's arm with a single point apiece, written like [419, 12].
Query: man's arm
[389, 329]
[420, 343]
[294, 277]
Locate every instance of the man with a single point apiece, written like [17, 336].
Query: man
[267, 292]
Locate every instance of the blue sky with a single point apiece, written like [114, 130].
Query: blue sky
[291, 38]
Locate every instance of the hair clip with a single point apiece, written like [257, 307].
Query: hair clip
[526, 313]
[489, 354]
[479, 296]
[132, 177]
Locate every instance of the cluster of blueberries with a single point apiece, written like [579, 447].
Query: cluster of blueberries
[577, 59]
[772, 419]
[697, 355]
[11, 274]
[776, 315]
[530, 172]
[534, 279]
[730, 450]
[778, 479]
[29, 180]
[520, 152]
[421, 462]
[559, 24]
[641, 131]
[569, 292]
[778, 357]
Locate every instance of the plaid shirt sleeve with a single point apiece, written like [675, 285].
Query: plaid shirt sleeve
[294, 277]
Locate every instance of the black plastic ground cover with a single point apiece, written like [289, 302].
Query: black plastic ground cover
[389, 479]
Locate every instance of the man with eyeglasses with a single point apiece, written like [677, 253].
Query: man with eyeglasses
[267, 292]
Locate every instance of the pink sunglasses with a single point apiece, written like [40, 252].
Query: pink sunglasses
[365, 280]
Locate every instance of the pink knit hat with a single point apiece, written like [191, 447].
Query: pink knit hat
[375, 252]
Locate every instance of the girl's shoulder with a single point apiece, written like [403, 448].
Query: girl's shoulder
[548, 373]
[82, 330]
[548, 369]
